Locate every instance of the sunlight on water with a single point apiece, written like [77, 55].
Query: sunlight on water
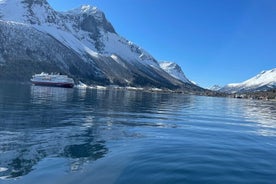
[58, 135]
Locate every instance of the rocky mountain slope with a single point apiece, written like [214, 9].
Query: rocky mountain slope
[264, 81]
[174, 70]
[81, 43]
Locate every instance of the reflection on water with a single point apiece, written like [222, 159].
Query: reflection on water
[43, 94]
[178, 137]
[257, 114]
[70, 123]
[43, 127]
[20, 151]
[262, 113]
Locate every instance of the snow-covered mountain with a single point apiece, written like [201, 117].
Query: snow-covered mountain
[264, 81]
[215, 88]
[175, 71]
[81, 43]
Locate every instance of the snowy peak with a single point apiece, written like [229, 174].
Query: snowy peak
[264, 77]
[90, 17]
[263, 81]
[174, 70]
[89, 10]
[215, 88]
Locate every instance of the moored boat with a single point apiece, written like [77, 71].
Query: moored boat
[57, 80]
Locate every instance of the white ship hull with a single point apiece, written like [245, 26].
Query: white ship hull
[56, 80]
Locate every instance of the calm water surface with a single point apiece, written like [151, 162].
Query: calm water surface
[57, 135]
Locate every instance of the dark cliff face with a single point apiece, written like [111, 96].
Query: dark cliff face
[89, 19]
[89, 23]
[92, 25]
[177, 68]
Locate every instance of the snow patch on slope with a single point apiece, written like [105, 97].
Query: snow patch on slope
[113, 43]
[12, 10]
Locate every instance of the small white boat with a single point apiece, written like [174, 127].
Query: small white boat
[58, 80]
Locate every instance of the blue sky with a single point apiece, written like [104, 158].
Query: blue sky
[214, 41]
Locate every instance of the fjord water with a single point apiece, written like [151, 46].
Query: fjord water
[58, 135]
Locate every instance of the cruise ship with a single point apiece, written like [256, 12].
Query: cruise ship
[57, 80]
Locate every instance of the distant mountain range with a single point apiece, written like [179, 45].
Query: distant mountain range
[264, 81]
[81, 43]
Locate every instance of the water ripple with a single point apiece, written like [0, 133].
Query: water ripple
[78, 136]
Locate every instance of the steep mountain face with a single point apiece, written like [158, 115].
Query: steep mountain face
[266, 80]
[81, 43]
[174, 70]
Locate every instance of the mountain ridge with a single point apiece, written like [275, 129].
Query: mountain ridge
[263, 81]
[81, 43]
